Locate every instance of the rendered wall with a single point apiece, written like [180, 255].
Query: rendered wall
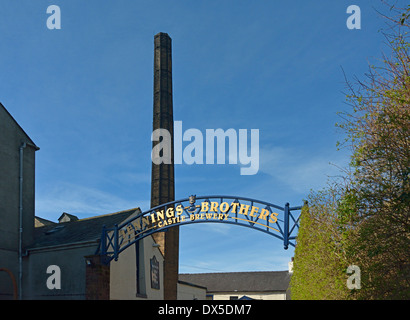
[253, 295]
[187, 292]
[123, 273]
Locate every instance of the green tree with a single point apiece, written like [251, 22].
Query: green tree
[320, 258]
[378, 132]
[364, 218]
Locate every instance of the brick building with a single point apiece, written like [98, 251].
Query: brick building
[30, 244]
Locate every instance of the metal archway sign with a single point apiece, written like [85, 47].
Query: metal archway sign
[272, 219]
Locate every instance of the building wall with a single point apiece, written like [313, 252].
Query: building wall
[9, 261]
[70, 259]
[123, 273]
[11, 138]
[72, 263]
[187, 292]
[253, 295]
[123, 276]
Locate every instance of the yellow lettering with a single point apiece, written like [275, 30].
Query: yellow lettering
[130, 230]
[192, 217]
[220, 216]
[234, 206]
[152, 217]
[273, 218]
[244, 209]
[160, 215]
[214, 207]
[127, 233]
[204, 206]
[131, 237]
[182, 218]
[160, 224]
[122, 233]
[145, 222]
[264, 213]
[170, 212]
[253, 211]
[224, 207]
[137, 224]
[179, 210]
[208, 215]
[202, 216]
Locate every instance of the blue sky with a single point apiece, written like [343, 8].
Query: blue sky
[84, 95]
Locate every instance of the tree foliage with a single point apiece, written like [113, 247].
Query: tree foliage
[319, 268]
[365, 220]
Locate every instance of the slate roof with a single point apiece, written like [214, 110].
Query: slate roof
[39, 222]
[259, 281]
[88, 229]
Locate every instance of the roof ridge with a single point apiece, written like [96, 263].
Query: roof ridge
[87, 229]
[90, 218]
[233, 272]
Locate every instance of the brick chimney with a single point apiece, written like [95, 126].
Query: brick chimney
[162, 176]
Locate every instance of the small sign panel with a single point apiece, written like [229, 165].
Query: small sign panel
[154, 263]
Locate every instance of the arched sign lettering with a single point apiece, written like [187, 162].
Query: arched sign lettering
[279, 222]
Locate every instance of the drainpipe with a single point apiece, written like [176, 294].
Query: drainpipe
[23, 145]
[21, 180]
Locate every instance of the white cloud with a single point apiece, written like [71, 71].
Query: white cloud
[80, 200]
[301, 170]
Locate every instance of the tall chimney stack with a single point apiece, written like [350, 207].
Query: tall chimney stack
[162, 176]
